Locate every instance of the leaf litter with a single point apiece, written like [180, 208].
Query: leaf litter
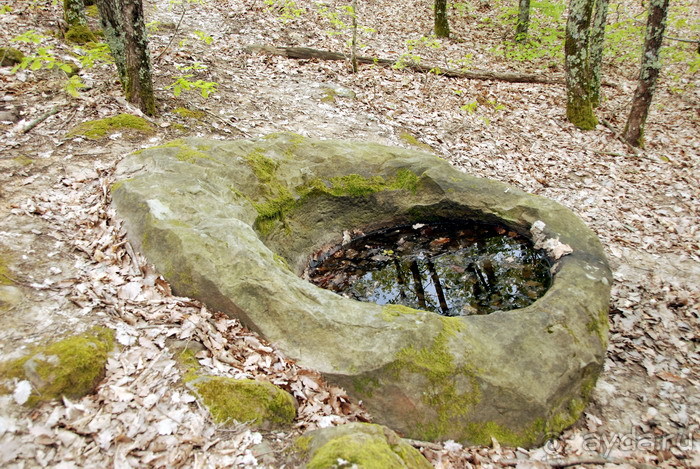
[75, 268]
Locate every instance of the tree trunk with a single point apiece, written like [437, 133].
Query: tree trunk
[579, 106]
[353, 52]
[650, 69]
[74, 12]
[125, 32]
[523, 20]
[442, 25]
[597, 41]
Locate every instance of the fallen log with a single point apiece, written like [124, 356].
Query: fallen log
[306, 53]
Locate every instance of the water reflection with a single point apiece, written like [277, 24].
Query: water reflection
[452, 269]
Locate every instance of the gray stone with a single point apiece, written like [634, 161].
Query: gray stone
[233, 224]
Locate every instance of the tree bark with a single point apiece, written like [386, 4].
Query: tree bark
[579, 105]
[442, 25]
[649, 73]
[600, 18]
[74, 12]
[125, 32]
[353, 60]
[523, 20]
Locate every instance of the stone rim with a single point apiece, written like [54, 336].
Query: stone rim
[494, 404]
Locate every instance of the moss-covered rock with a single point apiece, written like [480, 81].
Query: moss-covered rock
[97, 129]
[360, 445]
[229, 400]
[80, 34]
[9, 56]
[217, 224]
[71, 367]
[189, 113]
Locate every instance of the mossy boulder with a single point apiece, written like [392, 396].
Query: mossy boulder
[233, 224]
[9, 56]
[71, 367]
[361, 445]
[80, 34]
[101, 128]
[261, 404]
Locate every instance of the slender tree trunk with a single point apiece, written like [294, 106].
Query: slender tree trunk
[523, 20]
[442, 25]
[600, 18]
[74, 12]
[579, 105]
[125, 32]
[649, 73]
[353, 52]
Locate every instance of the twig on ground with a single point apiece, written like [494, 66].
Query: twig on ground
[636, 151]
[596, 460]
[177, 29]
[40, 119]
[424, 444]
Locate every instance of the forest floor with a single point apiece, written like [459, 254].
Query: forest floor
[66, 266]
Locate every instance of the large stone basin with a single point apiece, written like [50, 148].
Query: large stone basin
[232, 223]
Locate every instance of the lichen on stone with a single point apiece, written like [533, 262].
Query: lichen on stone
[413, 141]
[71, 367]
[97, 129]
[392, 312]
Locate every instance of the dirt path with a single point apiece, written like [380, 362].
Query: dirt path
[65, 265]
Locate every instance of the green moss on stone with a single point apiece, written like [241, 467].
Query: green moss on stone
[189, 364]
[448, 397]
[391, 312]
[281, 261]
[189, 113]
[9, 56]
[263, 167]
[413, 141]
[185, 152]
[481, 433]
[97, 129]
[355, 185]
[244, 400]
[599, 326]
[5, 276]
[369, 449]
[365, 385]
[80, 34]
[71, 367]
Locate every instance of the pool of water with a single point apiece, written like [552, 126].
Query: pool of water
[454, 269]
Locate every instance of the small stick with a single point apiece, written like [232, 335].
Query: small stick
[40, 119]
[597, 460]
[423, 444]
[177, 29]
